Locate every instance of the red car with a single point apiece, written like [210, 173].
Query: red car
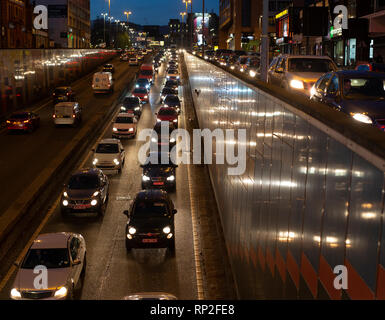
[23, 121]
[141, 93]
[169, 114]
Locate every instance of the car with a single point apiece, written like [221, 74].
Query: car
[143, 83]
[146, 71]
[172, 74]
[169, 114]
[253, 66]
[133, 62]
[142, 94]
[64, 255]
[102, 82]
[150, 296]
[86, 191]
[67, 113]
[108, 68]
[124, 57]
[209, 55]
[62, 94]
[124, 126]
[173, 64]
[109, 155]
[139, 57]
[173, 84]
[359, 94]
[241, 63]
[151, 221]
[163, 130]
[371, 66]
[172, 101]
[298, 73]
[132, 105]
[23, 121]
[165, 91]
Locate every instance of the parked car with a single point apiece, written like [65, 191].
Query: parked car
[151, 221]
[109, 155]
[67, 113]
[64, 254]
[299, 73]
[124, 126]
[86, 191]
[23, 121]
[360, 94]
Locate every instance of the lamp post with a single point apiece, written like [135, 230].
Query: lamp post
[265, 41]
[181, 28]
[190, 22]
[104, 28]
[109, 29]
[127, 13]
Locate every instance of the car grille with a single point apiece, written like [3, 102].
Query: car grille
[122, 130]
[83, 201]
[157, 179]
[36, 294]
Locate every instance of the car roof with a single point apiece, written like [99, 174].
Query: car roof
[68, 103]
[125, 114]
[51, 240]
[62, 88]
[358, 73]
[151, 194]
[304, 56]
[89, 171]
[109, 140]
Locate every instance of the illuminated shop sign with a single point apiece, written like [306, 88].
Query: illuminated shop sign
[281, 14]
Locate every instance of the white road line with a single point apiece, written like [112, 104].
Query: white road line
[198, 268]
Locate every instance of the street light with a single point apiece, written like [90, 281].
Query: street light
[190, 23]
[104, 29]
[127, 13]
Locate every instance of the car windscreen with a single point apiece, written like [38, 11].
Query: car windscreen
[242, 60]
[310, 65]
[124, 120]
[167, 112]
[142, 81]
[60, 91]
[19, 116]
[107, 148]
[171, 83]
[172, 71]
[140, 90]
[146, 72]
[130, 102]
[364, 88]
[83, 181]
[145, 209]
[50, 258]
[171, 98]
[169, 91]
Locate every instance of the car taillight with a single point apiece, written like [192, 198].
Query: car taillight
[73, 116]
[25, 121]
[54, 116]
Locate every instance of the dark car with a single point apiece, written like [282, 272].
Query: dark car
[166, 91]
[151, 221]
[142, 83]
[167, 114]
[172, 101]
[132, 105]
[359, 94]
[108, 68]
[173, 84]
[141, 93]
[63, 94]
[157, 174]
[86, 191]
[163, 137]
[23, 121]
[371, 66]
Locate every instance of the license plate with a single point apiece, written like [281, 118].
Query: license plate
[81, 206]
[158, 183]
[149, 240]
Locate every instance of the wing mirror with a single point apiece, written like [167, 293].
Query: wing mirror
[174, 211]
[125, 212]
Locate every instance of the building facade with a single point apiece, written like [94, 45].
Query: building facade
[69, 23]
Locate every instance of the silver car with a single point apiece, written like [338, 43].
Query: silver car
[298, 73]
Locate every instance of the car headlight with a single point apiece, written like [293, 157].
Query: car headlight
[168, 77]
[172, 140]
[145, 178]
[65, 203]
[177, 77]
[95, 161]
[312, 91]
[95, 194]
[65, 194]
[163, 97]
[232, 67]
[116, 161]
[175, 120]
[123, 108]
[61, 293]
[137, 86]
[158, 120]
[166, 105]
[114, 129]
[137, 109]
[296, 84]
[94, 202]
[131, 130]
[241, 70]
[131, 230]
[170, 178]
[362, 118]
[145, 97]
[252, 73]
[154, 140]
[166, 229]
[15, 294]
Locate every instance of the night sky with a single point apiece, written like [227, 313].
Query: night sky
[153, 12]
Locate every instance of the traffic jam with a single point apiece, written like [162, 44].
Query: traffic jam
[150, 221]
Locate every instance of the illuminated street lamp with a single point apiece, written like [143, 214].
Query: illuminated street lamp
[127, 13]
[104, 29]
[190, 23]
[181, 29]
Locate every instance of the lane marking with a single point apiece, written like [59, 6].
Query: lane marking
[198, 268]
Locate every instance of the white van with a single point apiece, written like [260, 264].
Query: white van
[102, 82]
[67, 113]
